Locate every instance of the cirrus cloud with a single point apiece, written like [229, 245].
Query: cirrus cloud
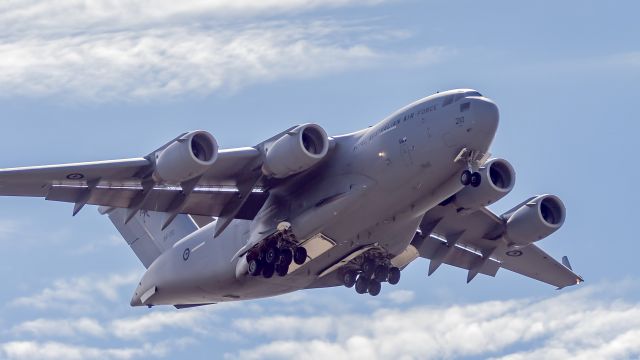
[109, 50]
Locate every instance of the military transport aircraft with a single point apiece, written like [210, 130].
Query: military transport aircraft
[306, 210]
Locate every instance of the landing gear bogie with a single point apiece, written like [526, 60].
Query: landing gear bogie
[394, 276]
[300, 255]
[255, 267]
[349, 278]
[362, 284]
[381, 273]
[268, 271]
[374, 287]
[275, 254]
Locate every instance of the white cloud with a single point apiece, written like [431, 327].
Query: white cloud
[61, 327]
[106, 49]
[79, 294]
[20, 350]
[401, 296]
[71, 15]
[582, 324]
[135, 327]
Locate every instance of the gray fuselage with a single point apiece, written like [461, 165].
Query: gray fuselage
[373, 188]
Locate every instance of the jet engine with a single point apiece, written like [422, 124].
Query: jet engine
[534, 220]
[296, 151]
[186, 158]
[498, 178]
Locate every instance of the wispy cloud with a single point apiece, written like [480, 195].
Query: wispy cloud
[36, 16]
[587, 323]
[60, 327]
[23, 350]
[111, 50]
[579, 324]
[78, 294]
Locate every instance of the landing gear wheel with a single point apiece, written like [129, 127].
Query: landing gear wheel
[253, 255]
[368, 267]
[271, 255]
[465, 177]
[381, 273]
[362, 284]
[255, 267]
[300, 255]
[282, 269]
[476, 179]
[268, 270]
[349, 278]
[374, 288]
[286, 257]
[394, 275]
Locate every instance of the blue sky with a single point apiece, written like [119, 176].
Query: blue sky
[100, 80]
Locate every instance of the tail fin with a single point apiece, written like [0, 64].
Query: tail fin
[144, 234]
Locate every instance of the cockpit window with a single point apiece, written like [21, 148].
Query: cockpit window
[459, 96]
[447, 100]
[472, 93]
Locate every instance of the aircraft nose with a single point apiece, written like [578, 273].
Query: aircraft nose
[486, 115]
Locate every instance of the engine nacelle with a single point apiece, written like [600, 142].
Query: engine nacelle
[296, 151]
[186, 158]
[535, 220]
[498, 179]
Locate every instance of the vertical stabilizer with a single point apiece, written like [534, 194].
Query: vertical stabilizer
[144, 234]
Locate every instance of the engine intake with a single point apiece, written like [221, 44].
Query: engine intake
[186, 158]
[534, 220]
[296, 151]
[498, 179]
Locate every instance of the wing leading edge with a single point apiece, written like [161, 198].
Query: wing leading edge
[115, 183]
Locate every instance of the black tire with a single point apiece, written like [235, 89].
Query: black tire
[368, 267]
[362, 284]
[271, 255]
[349, 278]
[394, 275]
[465, 178]
[300, 255]
[476, 179]
[253, 255]
[255, 267]
[282, 269]
[381, 273]
[374, 288]
[268, 270]
[286, 256]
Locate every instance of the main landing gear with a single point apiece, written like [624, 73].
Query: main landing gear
[275, 255]
[369, 275]
[470, 178]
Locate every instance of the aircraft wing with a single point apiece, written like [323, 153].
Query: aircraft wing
[474, 235]
[116, 183]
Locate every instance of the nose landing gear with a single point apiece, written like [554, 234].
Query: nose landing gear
[470, 178]
[474, 159]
